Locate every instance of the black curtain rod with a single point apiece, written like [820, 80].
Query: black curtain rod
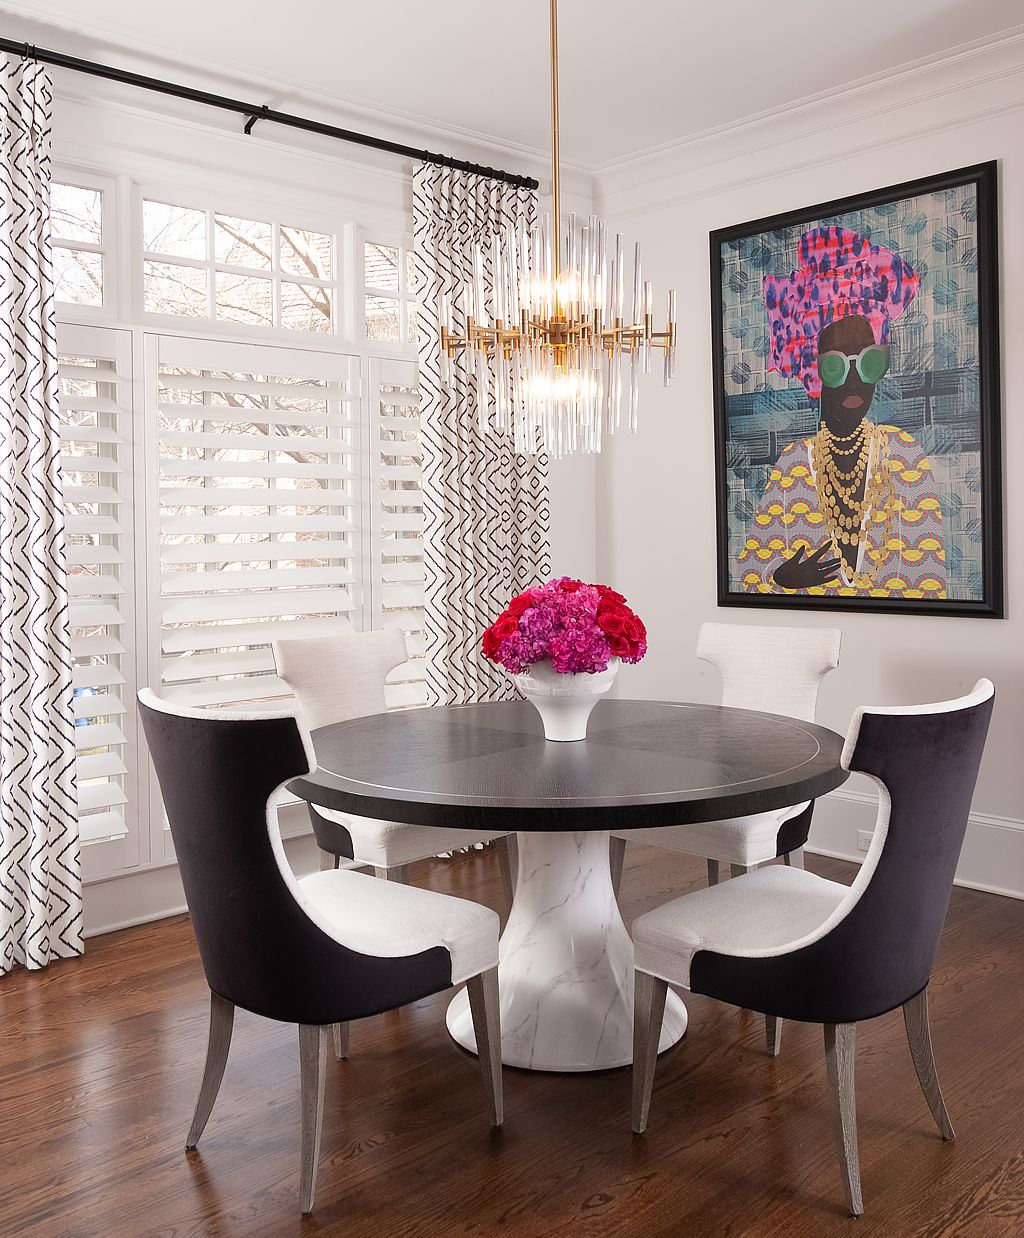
[255, 111]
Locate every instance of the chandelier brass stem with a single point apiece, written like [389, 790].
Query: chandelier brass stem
[556, 195]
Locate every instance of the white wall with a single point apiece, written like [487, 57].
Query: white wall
[656, 492]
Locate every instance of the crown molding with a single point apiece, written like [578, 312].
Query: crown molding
[849, 93]
[981, 80]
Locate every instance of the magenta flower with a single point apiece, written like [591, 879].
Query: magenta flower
[579, 627]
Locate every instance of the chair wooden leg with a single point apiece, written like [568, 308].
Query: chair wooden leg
[397, 873]
[341, 1040]
[773, 1034]
[915, 1015]
[222, 1020]
[485, 1007]
[616, 858]
[794, 858]
[712, 872]
[840, 1042]
[312, 1072]
[737, 870]
[328, 861]
[508, 864]
[648, 1013]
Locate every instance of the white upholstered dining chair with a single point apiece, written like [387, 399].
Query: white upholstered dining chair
[339, 677]
[775, 671]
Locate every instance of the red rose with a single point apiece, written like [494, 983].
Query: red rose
[570, 586]
[505, 625]
[611, 622]
[608, 593]
[632, 628]
[619, 646]
[520, 603]
[491, 644]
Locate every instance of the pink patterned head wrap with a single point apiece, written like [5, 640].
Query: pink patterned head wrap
[840, 274]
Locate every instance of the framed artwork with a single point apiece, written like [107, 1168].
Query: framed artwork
[856, 369]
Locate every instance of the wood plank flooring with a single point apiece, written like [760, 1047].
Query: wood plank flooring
[101, 1059]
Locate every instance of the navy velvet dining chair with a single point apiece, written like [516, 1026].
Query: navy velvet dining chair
[320, 951]
[792, 945]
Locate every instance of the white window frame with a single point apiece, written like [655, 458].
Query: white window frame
[404, 294]
[109, 248]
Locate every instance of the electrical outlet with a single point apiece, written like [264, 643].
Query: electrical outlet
[863, 840]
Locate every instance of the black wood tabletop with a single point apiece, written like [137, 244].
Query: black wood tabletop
[643, 763]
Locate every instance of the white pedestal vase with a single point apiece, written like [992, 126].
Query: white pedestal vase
[564, 702]
[565, 964]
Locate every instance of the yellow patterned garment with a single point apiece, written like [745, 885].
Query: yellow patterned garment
[901, 553]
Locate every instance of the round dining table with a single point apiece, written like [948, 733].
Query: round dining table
[565, 957]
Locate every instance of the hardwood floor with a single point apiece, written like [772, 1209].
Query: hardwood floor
[102, 1058]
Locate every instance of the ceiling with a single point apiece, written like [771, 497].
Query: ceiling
[633, 77]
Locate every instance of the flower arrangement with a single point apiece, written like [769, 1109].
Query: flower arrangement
[579, 627]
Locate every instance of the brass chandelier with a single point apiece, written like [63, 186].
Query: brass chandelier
[555, 356]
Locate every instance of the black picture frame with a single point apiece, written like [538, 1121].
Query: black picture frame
[991, 603]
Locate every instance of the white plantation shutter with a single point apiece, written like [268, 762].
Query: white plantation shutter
[396, 474]
[97, 467]
[260, 510]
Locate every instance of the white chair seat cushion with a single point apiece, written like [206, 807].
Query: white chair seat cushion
[388, 920]
[739, 840]
[749, 915]
[385, 844]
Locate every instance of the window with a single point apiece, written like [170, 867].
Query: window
[253, 273]
[95, 386]
[259, 510]
[76, 218]
[400, 579]
[237, 469]
[389, 282]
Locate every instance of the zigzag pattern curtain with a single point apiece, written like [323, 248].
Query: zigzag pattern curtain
[487, 511]
[40, 880]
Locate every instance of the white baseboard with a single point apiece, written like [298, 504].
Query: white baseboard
[154, 893]
[992, 858]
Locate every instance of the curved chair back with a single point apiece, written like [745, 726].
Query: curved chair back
[261, 944]
[877, 949]
[339, 677]
[773, 670]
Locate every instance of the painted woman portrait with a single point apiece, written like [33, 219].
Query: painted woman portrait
[851, 511]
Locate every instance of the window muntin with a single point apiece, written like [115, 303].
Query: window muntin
[389, 294]
[77, 229]
[205, 264]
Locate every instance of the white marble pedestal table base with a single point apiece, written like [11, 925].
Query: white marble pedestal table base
[565, 964]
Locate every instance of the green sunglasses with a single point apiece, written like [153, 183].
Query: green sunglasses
[872, 364]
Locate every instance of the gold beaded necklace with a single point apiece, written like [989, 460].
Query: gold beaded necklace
[834, 487]
[868, 443]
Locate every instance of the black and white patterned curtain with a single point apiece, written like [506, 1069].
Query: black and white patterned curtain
[40, 879]
[487, 511]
